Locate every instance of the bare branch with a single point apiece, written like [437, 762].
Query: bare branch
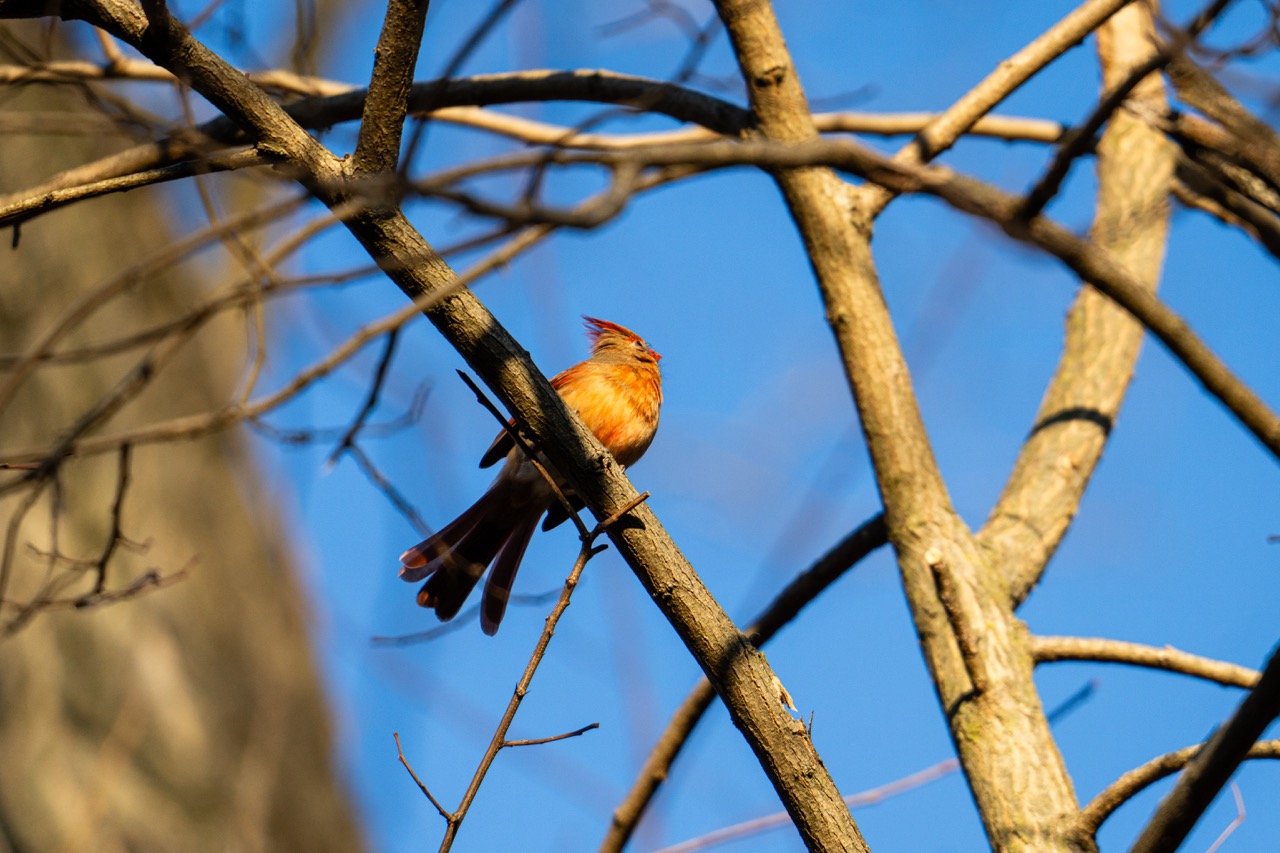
[1103, 272]
[482, 29]
[199, 424]
[1235, 822]
[129, 387]
[422, 787]
[165, 41]
[382, 484]
[862, 799]
[1056, 649]
[963, 115]
[1139, 779]
[804, 588]
[10, 544]
[147, 581]
[1197, 187]
[378, 146]
[459, 622]
[84, 308]
[1213, 765]
[371, 398]
[80, 70]
[498, 741]
[172, 158]
[541, 740]
[115, 533]
[1081, 137]
[1256, 142]
[1102, 342]
[517, 127]
[1000, 733]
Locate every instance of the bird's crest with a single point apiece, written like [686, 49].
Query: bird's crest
[597, 328]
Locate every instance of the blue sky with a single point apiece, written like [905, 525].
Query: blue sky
[758, 467]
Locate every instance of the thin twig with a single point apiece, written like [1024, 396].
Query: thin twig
[382, 484]
[617, 516]
[47, 598]
[510, 429]
[11, 534]
[460, 621]
[1235, 822]
[421, 786]
[114, 534]
[371, 399]
[541, 740]
[585, 553]
[149, 580]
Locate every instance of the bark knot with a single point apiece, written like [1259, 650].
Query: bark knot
[771, 77]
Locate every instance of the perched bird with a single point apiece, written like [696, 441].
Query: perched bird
[617, 393]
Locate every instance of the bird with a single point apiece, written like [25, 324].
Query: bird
[617, 392]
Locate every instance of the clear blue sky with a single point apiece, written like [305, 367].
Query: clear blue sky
[758, 467]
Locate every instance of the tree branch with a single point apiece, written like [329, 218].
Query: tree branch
[1213, 765]
[804, 588]
[1256, 142]
[1056, 649]
[1000, 732]
[1102, 342]
[205, 422]
[498, 741]
[396, 56]
[1202, 188]
[741, 675]
[963, 115]
[1139, 779]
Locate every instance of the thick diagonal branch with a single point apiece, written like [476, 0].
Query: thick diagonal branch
[785, 607]
[739, 673]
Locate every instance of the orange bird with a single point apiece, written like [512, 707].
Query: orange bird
[617, 393]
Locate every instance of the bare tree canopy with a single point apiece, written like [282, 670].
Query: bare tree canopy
[915, 273]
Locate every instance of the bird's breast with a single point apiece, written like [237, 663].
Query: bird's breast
[620, 404]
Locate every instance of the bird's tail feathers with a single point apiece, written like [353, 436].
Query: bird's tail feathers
[453, 560]
[497, 589]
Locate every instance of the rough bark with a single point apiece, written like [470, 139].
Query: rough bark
[977, 651]
[1135, 169]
